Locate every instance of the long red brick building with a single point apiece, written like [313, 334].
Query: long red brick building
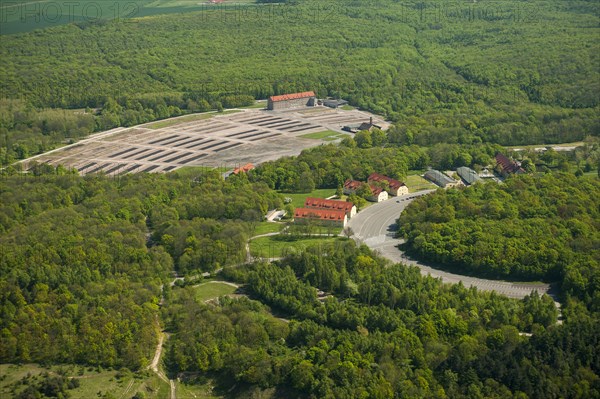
[326, 217]
[320, 203]
[294, 100]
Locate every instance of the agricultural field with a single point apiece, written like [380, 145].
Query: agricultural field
[223, 140]
[18, 16]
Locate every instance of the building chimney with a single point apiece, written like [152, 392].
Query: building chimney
[371, 120]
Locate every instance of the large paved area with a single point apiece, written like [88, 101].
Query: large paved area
[375, 226]
[222, 140]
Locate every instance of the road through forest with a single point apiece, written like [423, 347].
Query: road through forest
[376, 226]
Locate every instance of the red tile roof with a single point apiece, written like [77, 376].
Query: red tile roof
[321, 214]
[244, 169]
[507, 165]
[311, 202]
[352, 184]
[394, 184]
[355, 185]
[292, 96]
[376, 190]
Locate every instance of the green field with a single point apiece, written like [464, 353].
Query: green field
[91, 381]
[266, 227]
[327, 135]
[275, 247]
[212, 290]
[256, 105]
[417, 183]
[299, 198]
[18, 16]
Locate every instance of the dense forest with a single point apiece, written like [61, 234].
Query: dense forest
[88, 265]
[384, 332]
[83, 259]
[528, 228]
[328, 166]
[507, 73]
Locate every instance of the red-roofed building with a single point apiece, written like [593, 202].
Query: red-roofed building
[508, 166]
[379, 194]
[245, 169]
[326, 217]
[395, 187]
[294, 100]
[320, 203]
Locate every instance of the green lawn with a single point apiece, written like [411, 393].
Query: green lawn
[417, 183]
[193, 171]
[91, 382]
[257, 105]
[212, 290]
[347, 107]
[326, 135]
[267, 227]
[298, 199]
[187, 118]
[272, 247]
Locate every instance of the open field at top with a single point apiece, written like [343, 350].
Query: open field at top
[224, 140]
[18, 16]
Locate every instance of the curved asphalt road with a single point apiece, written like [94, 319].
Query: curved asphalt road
[375, 226]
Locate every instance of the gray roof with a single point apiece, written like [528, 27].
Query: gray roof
[468, 174]
[334, 103]
[438, 178]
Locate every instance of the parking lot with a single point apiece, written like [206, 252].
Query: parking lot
[223, 140]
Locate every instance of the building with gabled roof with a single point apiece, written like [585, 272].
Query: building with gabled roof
[325, 217]
[355, 128]
[379, 194]
[243, 169]
[508, 166]
[395, 187]
[293, 100]
[440, 179]
[468, 175]
[320, 203]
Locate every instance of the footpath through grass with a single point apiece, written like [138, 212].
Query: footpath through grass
[267, 227]
[92, 381]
